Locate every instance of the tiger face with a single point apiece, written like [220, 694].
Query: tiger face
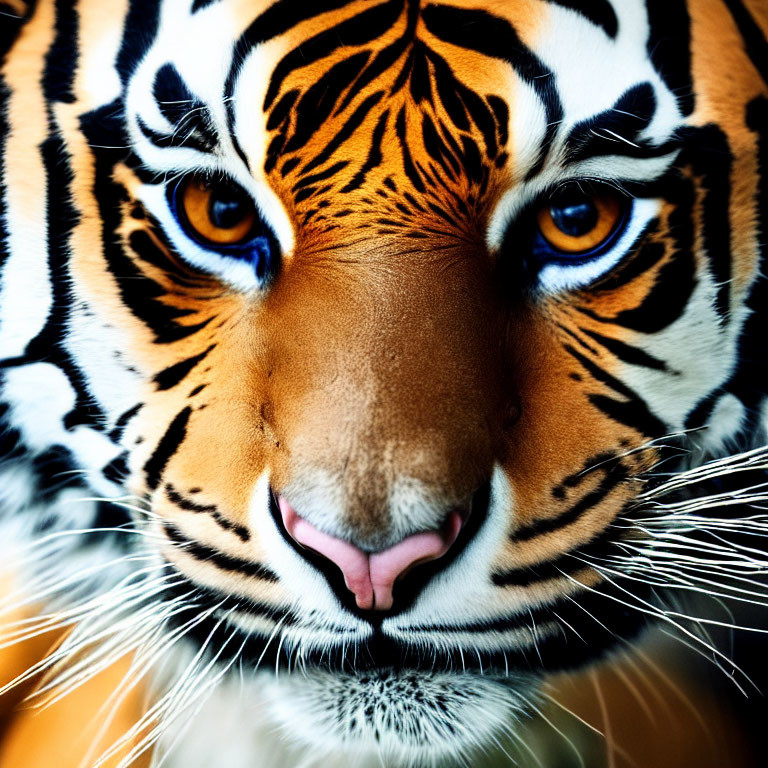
[384, 313]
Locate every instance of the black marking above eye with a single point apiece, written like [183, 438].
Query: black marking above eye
[599, 12]
[200, 5]
[190, 118]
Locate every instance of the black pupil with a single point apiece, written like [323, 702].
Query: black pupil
[574, 215]
[227, 207]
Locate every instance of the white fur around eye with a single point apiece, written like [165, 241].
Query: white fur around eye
[239, 274]
[555, 278]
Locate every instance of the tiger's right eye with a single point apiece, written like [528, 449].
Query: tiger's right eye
[221, 219]
[576, 223]
[217, 213]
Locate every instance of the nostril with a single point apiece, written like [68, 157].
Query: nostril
[352, 561]
[371, 577]
[390, 564]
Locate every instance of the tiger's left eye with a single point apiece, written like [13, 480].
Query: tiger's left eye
[574, 221]
[219, 213]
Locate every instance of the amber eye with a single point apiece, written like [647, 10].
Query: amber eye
[220, 213]
[575, 221]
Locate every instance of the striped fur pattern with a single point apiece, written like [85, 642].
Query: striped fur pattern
[401, 353]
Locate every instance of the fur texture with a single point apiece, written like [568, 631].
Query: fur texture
[394, 340]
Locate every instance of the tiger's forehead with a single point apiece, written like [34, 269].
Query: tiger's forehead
[401, 112]
[376, 116]
[387, 134]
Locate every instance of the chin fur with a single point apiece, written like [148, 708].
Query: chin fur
[317, 719]
[406, 718]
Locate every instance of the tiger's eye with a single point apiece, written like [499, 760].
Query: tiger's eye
[574, 221]
[219, 212]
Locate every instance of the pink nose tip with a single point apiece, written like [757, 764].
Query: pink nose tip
[371, 576]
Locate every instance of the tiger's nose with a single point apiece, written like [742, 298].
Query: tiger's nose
[371, 576]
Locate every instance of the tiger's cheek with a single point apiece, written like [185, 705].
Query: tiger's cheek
[553, 448]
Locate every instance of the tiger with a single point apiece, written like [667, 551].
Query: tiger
[365, 362]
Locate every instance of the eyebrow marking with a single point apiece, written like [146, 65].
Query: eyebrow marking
[617, 130]
[599, 12]
[189, 117]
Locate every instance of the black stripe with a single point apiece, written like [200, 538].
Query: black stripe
[11, 445]
[153, 247]
[206, 509]
[750, 380]
[575, 336]
[501, 116]
[438, 149]
[646, 256]
[199, 5]
[630, 115]
[175, 374]
[281, 110]
[385, 58]
[320, 99]
[708, 152]
[55, 469]
[189, 139]
[61, 59]
[626, 352]
[701, 412]
[9, 30]
[599, 12]
[374, 155]
[4, 225]
[219, 559]
[669, 48]
[495, 37]
[753, 37]
[351, 125]
[122, 422]
[482, 115]
[570, 562]
[48, 346]
[11, 26]
[331, 170]
[139, 33]
[357, 30]
[612, 476]
[117, 469]
[408, 166]
[169, 443]
[189, 116]
[632, 412]
[667, 299]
